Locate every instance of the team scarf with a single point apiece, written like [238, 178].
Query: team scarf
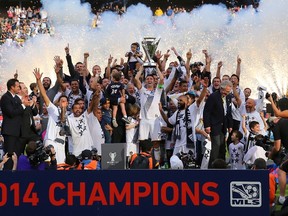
[189, 131]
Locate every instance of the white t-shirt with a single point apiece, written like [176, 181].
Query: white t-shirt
[96, 132]
[130, 133]
[254, 153]
[236, 115]
[80, 133]
[236, 155]
[253, 116]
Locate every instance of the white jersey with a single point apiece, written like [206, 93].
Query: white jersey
[236, 155]
[195, 115]
[52, 135]
[96, 132]
[150, 103]
[80, 133]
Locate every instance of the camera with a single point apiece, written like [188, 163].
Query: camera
[188, 160]
[41, 154]
[261, 88]
[274, 96]
[65, 130]
[95, 156]
[264, 142]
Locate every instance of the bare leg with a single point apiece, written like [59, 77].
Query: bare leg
[282, 182]
[123, 110]
[114, 113]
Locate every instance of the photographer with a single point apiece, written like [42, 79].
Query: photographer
[88, 161]
[36, 157]
[280, 132]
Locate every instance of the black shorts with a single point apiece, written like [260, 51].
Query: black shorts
[284, 164]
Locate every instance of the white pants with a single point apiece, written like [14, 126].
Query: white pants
[150, 128]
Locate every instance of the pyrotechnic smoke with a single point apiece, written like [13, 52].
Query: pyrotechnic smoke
[260, 38]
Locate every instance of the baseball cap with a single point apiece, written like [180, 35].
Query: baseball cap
[191, 93]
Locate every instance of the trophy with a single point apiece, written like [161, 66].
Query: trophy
[150, 45]
[112, 157]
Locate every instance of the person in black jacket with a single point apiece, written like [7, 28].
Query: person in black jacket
[28, 127]
[217, 119]
[12, 109]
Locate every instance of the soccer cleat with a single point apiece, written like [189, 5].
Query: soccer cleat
[125, 119]
[280, 201]
[114, 123]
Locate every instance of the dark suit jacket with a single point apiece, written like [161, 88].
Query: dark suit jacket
[28, 129]
[213, 114]
[12, 111]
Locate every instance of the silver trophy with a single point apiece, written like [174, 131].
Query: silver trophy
[150, 45]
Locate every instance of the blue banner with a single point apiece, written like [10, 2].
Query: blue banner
[137, 192]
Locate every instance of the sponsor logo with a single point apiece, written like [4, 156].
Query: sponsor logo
[245, 194]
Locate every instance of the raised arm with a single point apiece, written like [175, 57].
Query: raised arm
[203, 92]
[85, 62]
[219, 66]
[277, 112]
[165, 59]
[238, 68]
[264, 121]
[161, 77]
[73, 73]
[238, 100]
[158, 55]
[175, 51]
[208, 61]
[53, 91]
[38, 76]
[187, 65]
[108, 70]
[59, 78]
[137, 81]
[164, 116]
[172, 83]
[181, 61]
[244, 124]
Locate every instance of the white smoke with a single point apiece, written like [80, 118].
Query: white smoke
[259, 38]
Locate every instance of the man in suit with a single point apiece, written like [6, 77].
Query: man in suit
[217, 119]
[28, 127]
[12, 109]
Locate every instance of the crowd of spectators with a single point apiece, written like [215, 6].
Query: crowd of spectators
[177, 107]
[21, 23]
